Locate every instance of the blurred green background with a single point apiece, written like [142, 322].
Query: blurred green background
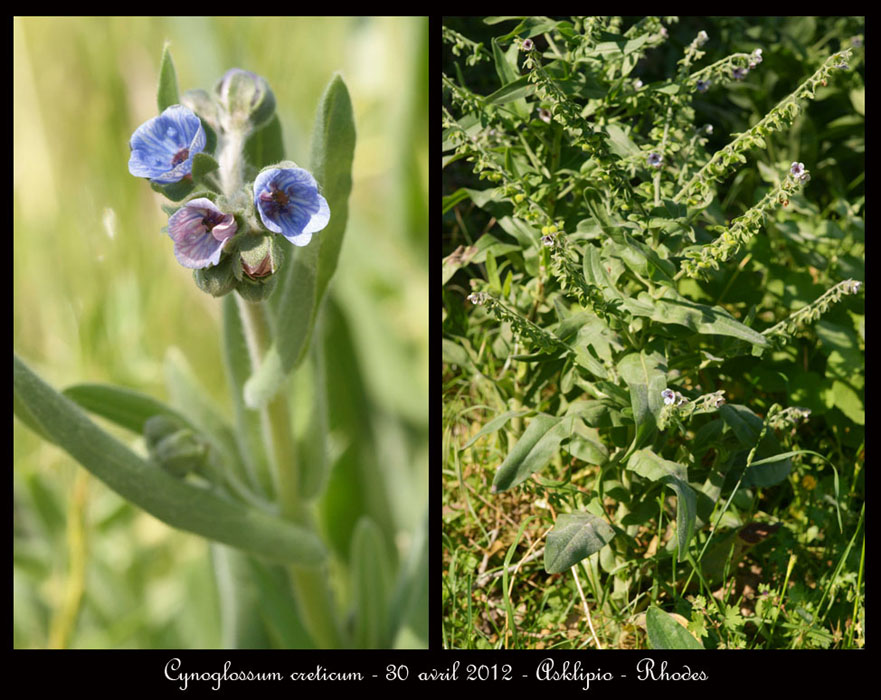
[99, 297]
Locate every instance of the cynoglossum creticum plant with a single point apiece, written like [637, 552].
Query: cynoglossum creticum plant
[596, 312]
[244, 218]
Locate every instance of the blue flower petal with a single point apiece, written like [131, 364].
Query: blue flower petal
[289, 203]
[200, 231]
[163, 148]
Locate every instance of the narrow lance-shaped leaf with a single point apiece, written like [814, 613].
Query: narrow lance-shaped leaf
[700, 318]
[167, 94]
[310, 421]
[409, 603]
[306, 276]
[535, 448]
[265, 146]
[172, 500]
[372, 581]
[645, 375]
[575, 537]
[125, 407]
[491, 427]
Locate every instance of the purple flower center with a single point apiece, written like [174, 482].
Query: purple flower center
[275, 199]
[180, 156]
[212, 219]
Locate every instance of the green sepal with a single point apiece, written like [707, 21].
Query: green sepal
[280, 165]
[262, 256]
[256, 290]
[219, 279]
[175, 191]
[203, 164]
[201, 194]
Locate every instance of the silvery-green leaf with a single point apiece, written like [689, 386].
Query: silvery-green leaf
[533, 451]
[575, 536]
[665, 633]
[175, 502]
[649, 465]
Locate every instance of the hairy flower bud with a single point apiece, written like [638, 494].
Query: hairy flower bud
[218, 280]
[174, 447]
[246, 101]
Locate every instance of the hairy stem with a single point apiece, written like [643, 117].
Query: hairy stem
[310, 584]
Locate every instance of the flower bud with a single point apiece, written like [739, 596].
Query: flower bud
[261, 257]
[175, 448]
[219, 279]
[246, 102]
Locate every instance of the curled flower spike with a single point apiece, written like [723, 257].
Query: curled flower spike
[702, 38]
[669, 396]
[755, 58]
[288, 202]
[163, 148]
[200, 231]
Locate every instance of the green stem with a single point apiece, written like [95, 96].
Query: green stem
[310, 584]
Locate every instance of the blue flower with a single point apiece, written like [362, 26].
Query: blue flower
[702, 85]
[163, 148]
[200, 231]
[797, 169]
[288, 202]
[739, 73]
[668, 396]
[655, 160]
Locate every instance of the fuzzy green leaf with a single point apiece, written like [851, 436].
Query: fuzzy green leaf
[535, 448]
[167, 93]
[575, 536]
[649, 465]
[125, 407]
[372, 582]
[265, 146]
[665, 633]
[174, 501]
[645, 375]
